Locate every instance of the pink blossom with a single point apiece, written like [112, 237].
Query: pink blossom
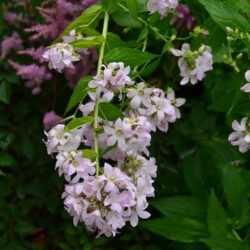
[50, 119]
[161, 6]
[13, 42]
[182, 17]
[241, 136]
[246, 87]
[33, 74]
[193, 65]
[73, 163]
[60, 141]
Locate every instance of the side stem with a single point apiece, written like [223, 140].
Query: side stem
[99, 68]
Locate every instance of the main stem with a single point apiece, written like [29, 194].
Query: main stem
[99, 68]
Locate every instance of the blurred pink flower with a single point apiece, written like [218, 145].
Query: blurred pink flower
[13, 42]
[50, 119]
[183, 16]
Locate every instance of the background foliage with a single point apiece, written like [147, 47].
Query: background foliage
[203, 184]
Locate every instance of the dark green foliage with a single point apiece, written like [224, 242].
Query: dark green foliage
[203, 183]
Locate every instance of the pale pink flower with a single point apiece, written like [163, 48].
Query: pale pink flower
[118, 133]
[241, 136]
[50, 119]
[139, 95]
[61, 56]
[193, 65]
[246, 87]
[60, 141]
[73, 163]
[161, 6]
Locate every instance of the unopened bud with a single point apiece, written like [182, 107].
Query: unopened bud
[229, 29]
[173, 37]
[239, 56]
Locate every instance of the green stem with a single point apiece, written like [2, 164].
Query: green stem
[104, 33]
[99, 68]
[236, 235]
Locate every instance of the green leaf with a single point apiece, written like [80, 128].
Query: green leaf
[78, 122]
[109, 5]
[6, 160]
[86, 19]
[178, 228]
[89, 154]
[124, 19]
[106, 150]
[114, 41]
[151, 67]
[5, 92]
[79, 93]
[88, 42]
[216, 218]
[27, 147]
[129, 56]
[110, 112]
[132, 7]
[182, 206]
[194, 174]
[236, 195]
[225, 15]
[226, 244]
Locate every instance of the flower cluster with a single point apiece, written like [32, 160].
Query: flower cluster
[14, 42]
[107, 197]
[241, 136]
[61, 56]
[57, 15]
[161, 6]
[193, 64]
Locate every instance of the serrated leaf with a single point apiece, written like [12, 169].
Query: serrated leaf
[225, 15]
[79, 93]
[182, 206]
[108, 111]
[129, 56]
[132, 7]
[78, 122]
[177, 228]
[88, 42]
[216, 218]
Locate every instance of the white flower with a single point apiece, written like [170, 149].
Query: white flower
[70, 163]
[114, 77]
[60, 141]
[139, 95]
[159, 112]
[119, 133]
[193, 64]
[176, 102]
[61, 56]
[246, 87]
[137, 212]
[87, 108]
[241, 136]
[161, 6]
